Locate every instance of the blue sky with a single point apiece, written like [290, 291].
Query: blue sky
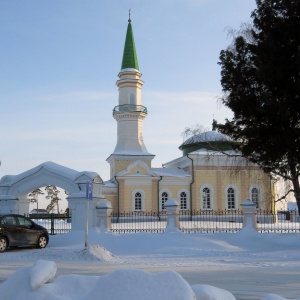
[60, 61]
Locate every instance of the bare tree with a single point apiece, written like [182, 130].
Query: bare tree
[193, 130]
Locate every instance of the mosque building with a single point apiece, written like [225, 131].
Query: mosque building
[210, 174]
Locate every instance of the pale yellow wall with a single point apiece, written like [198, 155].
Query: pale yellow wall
[216, 177]
[220, 178]
[149, 192]
[122, 207]
[174, 189]
[121, 165]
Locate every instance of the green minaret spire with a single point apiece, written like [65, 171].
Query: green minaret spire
[129, 55]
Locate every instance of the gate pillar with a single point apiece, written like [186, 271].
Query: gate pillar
[249, 221]
[172, 216]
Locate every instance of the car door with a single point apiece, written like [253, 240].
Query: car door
[28, 232]
[12, 230]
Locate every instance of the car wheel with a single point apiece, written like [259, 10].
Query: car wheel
[42, 242]
[3, 244]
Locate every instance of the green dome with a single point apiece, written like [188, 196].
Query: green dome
[210, 140]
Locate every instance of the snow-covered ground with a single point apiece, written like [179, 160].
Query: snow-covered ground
[244, 265]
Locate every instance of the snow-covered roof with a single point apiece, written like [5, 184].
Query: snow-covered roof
[144, 169]
[109, 183]
[204, 151]
[208, 136]
[172, 172]
[138, 152]
[54, 168]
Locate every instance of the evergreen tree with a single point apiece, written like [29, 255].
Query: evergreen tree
[260, 77]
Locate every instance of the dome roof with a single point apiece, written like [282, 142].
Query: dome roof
[212, 140]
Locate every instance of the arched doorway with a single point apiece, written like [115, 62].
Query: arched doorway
[15, 188]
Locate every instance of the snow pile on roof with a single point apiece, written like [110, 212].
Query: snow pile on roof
[109, 183]
[208, 136]
[172, 172]
[207, 152]
[51, 167]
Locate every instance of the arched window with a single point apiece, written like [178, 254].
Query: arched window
[255, 197]
[138, 201]
[183, 198]
[231, 198]
[206, 198]
[164, 195]
[164, 198]
[183, 201]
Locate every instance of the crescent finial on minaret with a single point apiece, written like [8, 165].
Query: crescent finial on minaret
[129, 20]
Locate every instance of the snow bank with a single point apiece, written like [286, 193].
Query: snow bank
[41, 273]
[38, 282]
[208, 292]
[127, 284]
[137, 284]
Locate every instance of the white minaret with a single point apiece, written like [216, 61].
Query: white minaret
[130, 113]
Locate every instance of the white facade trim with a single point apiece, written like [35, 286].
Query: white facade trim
[252, 186]
[164, 190]
[137, 164]
[211, 190]
[142, 192]
[188, 198]
[235, 189]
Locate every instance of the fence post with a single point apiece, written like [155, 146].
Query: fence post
[249, 220]
[103, 215]
[171, 207]
[52, 224]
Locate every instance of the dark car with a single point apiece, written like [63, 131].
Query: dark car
[19, 231]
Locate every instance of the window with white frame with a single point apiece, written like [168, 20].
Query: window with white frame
[183, 201]
[231, 198]
[138, 197]
[255, 197]
[183, 197]
[164, 198]
[138, 201]
[206, 198]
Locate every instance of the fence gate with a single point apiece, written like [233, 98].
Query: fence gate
[54, 223]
